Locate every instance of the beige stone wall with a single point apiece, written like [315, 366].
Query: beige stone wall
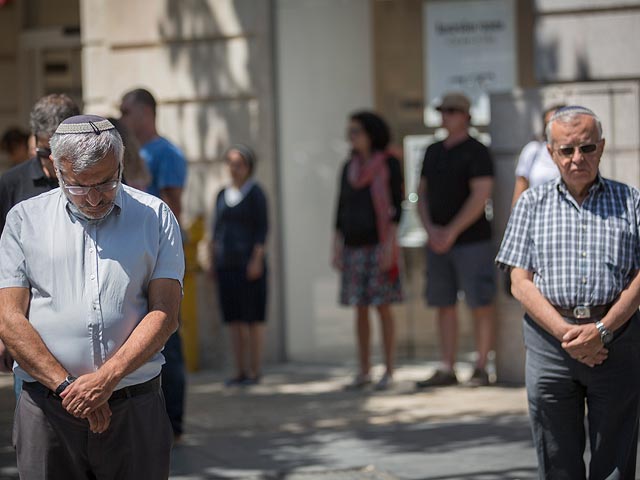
[9, 80]
[209, 64]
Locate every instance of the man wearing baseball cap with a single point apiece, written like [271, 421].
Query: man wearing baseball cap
[455, 184]
[90, 287]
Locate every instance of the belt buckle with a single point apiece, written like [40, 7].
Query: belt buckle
[582, 311]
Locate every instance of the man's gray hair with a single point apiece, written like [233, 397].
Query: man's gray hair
[567, 114]
[84, 150]
[49, 112]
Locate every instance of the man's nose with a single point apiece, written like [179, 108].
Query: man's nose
[578, 156]
[94, 197]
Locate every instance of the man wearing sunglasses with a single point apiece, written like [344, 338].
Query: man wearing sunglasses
[34, 176]
[572, 246]
[456, 183]
[90, 287]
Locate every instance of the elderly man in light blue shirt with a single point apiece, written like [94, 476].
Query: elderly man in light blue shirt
[90, 287]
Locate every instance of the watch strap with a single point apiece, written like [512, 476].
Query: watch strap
[605, 333]
[65, 383]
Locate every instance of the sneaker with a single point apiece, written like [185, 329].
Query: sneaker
[441, 378]
[359, 382]
[249, 381]
[236, 381]
[384, 383]
[480, 378]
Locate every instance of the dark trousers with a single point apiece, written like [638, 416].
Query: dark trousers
[173, 381]
[51, 444]
[559, 388]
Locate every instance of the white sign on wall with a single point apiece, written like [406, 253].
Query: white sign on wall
[470, 46]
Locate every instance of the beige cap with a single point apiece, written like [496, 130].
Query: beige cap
[456, 101]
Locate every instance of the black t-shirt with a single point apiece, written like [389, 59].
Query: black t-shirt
[21, 182]
[448, 173]
[356, 217]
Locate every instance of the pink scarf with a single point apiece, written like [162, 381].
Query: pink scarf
[375, 174]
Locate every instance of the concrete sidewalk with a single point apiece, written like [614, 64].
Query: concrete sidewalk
[299, 424]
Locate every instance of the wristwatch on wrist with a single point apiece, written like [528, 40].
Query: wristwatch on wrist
[605, 334]
[67, 381]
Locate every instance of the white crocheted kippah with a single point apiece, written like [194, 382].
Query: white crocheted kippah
[84, 124]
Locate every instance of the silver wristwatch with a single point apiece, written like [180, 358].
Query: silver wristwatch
[605, 334]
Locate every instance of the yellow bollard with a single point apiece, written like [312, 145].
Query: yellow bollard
[189, 307]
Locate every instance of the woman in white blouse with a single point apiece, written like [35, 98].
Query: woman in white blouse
[535, 165]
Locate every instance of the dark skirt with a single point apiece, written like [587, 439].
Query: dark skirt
[362, 281]
[240, 299]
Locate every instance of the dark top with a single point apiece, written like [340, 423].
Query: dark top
[356, 217]
[448, 173]
[21, 182]
[238, 229]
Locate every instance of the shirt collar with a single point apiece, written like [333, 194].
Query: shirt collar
[598, 185]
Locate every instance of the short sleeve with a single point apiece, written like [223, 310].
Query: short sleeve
[516, 248]
[427, 154]
[170, 259]
[172, 170]
[525, 160]
[481, 164]
[13, 269]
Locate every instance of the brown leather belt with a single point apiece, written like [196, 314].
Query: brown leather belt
[152, 385]
[584, 313]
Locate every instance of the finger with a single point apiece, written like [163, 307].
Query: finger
[103, 414]
[571, 335]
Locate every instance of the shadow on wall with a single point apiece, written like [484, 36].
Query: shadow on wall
[548, 63]
[209, 38]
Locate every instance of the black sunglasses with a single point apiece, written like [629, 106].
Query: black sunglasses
[451, 111]
[585, 149]
[43, 152]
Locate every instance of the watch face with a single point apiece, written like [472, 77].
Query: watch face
[607, 337]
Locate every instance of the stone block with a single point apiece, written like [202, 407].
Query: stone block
[153, 22]
[94, 15]
[571, 48]
[187, 70]
[621, 165]
[204, 130]
[97, 76]
[551, 6]
[515, 119]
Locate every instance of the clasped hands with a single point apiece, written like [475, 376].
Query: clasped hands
[441, 239]
[88, 397]
[583, 343]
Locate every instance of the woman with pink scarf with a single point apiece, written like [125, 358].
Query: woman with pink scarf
[365, 244]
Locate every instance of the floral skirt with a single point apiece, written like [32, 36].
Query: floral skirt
[362, 281]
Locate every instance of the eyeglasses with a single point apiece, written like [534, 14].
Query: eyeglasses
[104, 187]
[451, 111]
[570, 150]
[43, 152]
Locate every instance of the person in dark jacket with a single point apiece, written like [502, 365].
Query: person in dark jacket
[365, 244]
[239, 265]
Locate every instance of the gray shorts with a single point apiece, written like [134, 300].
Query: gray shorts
[468, 267]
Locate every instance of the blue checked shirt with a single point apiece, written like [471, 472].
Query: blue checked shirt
[579, 255]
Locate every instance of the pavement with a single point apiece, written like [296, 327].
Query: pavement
[300, 424]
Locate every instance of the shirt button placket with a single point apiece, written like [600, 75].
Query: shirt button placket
[583, 259]
[96, 320]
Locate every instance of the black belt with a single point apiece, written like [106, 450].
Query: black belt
[584, 313]
[152, 385]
